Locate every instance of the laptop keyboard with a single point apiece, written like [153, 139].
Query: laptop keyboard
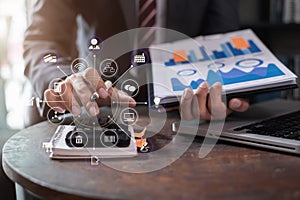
[285, 126]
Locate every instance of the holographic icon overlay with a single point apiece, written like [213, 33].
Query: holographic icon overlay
[108, 68]
[121, 44]
[173, 150]
[95, 44]
[79, 65]
[140, 57]
[55, 84]
[55, 117]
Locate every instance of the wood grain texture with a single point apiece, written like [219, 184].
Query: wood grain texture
[228, 172]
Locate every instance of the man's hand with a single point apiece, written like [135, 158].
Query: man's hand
[206, 104]
[76, 91]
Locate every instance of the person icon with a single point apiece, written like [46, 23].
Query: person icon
[94, 44]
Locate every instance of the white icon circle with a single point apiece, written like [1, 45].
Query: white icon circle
[109, 138]
[55, 117]
[129, 116]
[56, 85]
[79, 65]
[94, 41]
[131, 87]
[80, 140]
[108, 68]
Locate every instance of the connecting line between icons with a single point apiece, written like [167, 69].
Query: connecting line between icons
[94, 135]
[58, 67]
[41, 101]
[94, 64]
[122, 74]
[109, 117]
[139, 103]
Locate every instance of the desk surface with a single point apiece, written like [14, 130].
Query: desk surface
[229, 171]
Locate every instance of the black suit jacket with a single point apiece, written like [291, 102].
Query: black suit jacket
[63, 26]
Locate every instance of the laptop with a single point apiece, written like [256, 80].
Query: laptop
[272, 124]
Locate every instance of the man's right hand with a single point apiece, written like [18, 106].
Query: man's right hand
[76, 91]
[206, 103]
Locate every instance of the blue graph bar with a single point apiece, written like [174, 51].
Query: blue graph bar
[235, 51]
[226, 51]
[253, 48]
[219, 54]
[204, 54]
[246, 51]
[192, 56]
[170, 63]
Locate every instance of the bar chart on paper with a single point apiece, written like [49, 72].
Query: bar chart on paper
[239, 60]
[237, 46]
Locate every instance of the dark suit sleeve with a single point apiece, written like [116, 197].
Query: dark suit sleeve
[221, 16]
[52, 29]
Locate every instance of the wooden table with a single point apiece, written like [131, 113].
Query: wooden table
[228, 172]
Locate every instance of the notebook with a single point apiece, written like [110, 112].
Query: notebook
[82, 141]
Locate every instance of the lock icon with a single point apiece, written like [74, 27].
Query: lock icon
[78, 139]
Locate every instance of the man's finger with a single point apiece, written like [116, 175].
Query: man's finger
[92, 77]
[70, 102]
[216, 106]
[121, 97]
[186, 104]
[84, 94]
[199, 106]
[239, 105]
[54, 101]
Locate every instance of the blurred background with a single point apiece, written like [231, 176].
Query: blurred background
[13, 22]
[277, 23]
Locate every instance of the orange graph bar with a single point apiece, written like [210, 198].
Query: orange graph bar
[240, 43]
[180, 56]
